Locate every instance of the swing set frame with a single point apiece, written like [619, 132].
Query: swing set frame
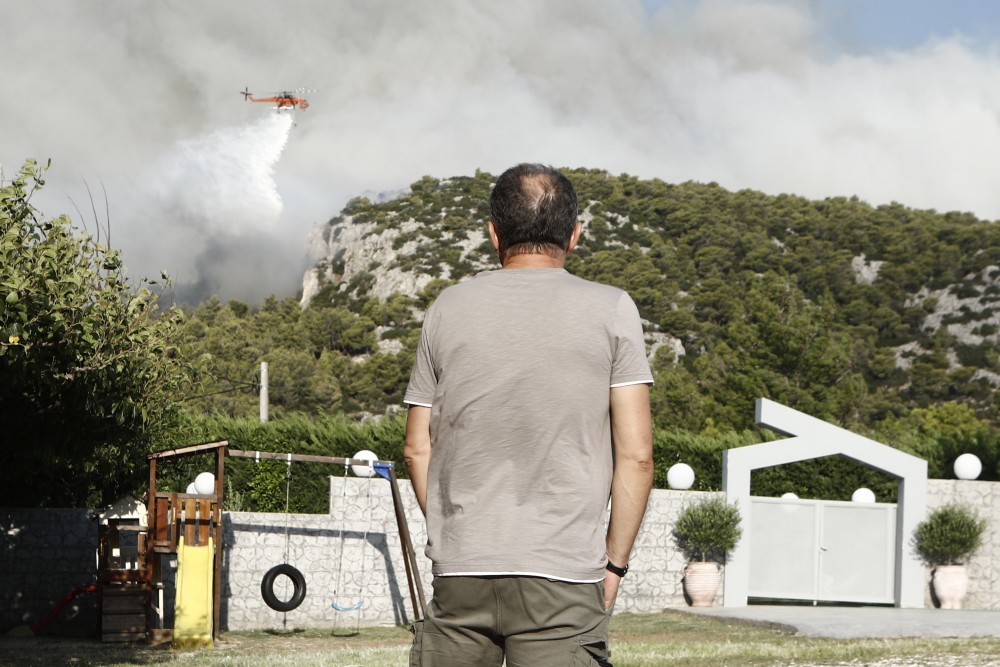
[173, 514]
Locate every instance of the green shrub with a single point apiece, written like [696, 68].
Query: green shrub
[259, 486]
[949, 536]
[709, 527]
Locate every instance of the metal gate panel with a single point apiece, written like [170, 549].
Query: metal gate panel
[822, 550]
[857, 552]
[783, 554]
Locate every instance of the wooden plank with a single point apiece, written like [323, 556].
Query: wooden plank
[123, 623]
[184, 451]
[204, 520]
[142, 558]
[189, 521]
[135, 604]
[173, 522]
[125, 576]
[161, 529]
[220, 494]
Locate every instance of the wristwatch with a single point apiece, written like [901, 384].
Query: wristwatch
[620, 571]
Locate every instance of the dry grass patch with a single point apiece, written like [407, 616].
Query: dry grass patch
[669, 638]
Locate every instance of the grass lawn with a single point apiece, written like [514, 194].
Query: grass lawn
[669, 638]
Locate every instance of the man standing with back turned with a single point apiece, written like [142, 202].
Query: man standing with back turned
[528, 409]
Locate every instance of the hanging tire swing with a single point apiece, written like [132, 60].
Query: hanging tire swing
[286, 569]
[267, 587]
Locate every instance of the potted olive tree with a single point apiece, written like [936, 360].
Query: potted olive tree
[705, 531]
[945, 541]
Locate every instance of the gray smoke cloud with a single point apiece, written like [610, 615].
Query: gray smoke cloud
[142, 99]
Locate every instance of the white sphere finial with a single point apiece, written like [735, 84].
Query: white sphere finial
[863, 495]
[789, 496]
[680, 476]
[968, 466]
[204, 483]
[361, 470]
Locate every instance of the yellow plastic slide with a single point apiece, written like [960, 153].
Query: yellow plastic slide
[193, 601]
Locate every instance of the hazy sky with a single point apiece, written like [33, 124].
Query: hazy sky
[889, 100]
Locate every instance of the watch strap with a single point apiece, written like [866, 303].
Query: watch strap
[620, 571]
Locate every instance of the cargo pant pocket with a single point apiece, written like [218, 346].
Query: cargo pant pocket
[591, 652]
[418, 635]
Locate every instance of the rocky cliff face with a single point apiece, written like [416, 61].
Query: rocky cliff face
[400, 245]
[353, 249]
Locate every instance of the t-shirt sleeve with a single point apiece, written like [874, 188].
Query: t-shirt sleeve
[423, 380]
[629, 365]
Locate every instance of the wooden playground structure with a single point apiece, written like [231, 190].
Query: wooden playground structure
[130, 597]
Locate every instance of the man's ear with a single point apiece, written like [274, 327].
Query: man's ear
[494, 239]
[574, 237]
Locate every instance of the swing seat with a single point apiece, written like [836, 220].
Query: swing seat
[357, 605]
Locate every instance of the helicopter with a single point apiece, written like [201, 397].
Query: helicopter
[284, 100]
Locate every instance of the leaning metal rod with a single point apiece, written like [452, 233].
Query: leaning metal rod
[406, 562]
[408, 553]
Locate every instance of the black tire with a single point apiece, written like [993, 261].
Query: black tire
[267, 587]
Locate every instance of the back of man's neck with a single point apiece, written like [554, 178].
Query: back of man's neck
[534, 261]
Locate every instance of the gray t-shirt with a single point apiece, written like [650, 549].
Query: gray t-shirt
[516, 366]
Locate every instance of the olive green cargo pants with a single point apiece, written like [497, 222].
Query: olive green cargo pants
[530, 621]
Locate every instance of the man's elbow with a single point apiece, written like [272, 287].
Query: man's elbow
[645, 464]
[646, 469]
[639, 467]
[410, 454]
[415, 449]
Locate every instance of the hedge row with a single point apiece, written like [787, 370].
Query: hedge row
[261, 486]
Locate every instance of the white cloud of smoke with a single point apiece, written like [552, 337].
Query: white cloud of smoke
[142, 97]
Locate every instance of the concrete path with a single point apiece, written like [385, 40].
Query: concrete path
[857, 622]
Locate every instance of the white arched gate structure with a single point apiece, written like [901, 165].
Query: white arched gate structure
[801, 549]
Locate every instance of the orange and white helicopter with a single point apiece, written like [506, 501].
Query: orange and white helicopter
[286, 99]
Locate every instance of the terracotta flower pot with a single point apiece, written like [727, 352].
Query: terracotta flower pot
[951, 583]
[701, 583]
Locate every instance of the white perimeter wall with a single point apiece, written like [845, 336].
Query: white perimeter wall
[376, 573]
[46, 553]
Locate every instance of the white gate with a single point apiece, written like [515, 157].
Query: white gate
[822, 550]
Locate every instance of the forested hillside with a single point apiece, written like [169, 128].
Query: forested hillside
[845, 311]
[882, 319]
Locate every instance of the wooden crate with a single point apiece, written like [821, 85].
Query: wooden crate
[123, 612]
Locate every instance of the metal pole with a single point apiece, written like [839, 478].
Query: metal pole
[263, 391]
[409, 555]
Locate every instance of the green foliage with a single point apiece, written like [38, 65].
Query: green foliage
[266, 486]
[940, 434]
[702, 451]
[708, 528]
[323, 359]
[261, 485]
[762, 293]
[828, 478]
[88, 366]
[949, 535]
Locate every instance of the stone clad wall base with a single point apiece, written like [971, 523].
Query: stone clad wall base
[354, 554]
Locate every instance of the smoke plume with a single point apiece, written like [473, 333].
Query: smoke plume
[143, 98]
